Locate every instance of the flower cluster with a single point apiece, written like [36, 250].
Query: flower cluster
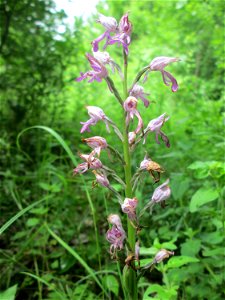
[120, 34]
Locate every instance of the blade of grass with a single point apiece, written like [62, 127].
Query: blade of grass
[51, 286]
[21, 213]
[73, 159]
[77, 256]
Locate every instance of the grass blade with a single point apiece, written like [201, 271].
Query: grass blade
[21, 213]
[77, 256]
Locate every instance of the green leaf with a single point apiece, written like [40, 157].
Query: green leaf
[179, 261]
[9, 294]
[32, 222]
[190, 247]
[201, 197]
[111, 284]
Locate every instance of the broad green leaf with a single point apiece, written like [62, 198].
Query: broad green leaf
[201, 197]
[190, 247]
[179, 261]
[111, 284]
[9, 294]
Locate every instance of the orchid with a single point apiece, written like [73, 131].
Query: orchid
[158, 64]
[90, 163]
[129, 207]
[98, 73]
[156, 125]
[162, 192]
[110, 25]
[120, 34]
[138, 92]
[96, 115]
[97, 143]
[101, 178]
[130, 106]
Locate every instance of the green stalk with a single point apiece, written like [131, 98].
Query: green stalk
[130, 279]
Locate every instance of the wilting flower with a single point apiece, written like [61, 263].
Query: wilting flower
[162, 254]
[131, 137]
[90, 163]
[101, 178]
[98, 73]
[97, 143]
[162, 192]
[123, 35]
[129, 207]
[130, 106]
[116, 235]
[96, 115]
[158, 64]
[105, 59]
[138, 92]
[110, 25]
[152, 167]
[156, 125]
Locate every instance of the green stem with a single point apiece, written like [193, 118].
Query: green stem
[131, 278]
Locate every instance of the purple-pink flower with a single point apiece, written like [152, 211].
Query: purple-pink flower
[105, 59]
[90, 163]
[122, 32]
[123, 35]
[138, 92]
[130, 106]
[98, 71]
[116, 235]
[96, 115]
[162, 192]
[101, 178]
[110, 24]
[129, 207]
[97, 143]
[158, 64]
[156, 125]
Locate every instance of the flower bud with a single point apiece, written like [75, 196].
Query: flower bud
[131, 137]
[114, 220]
[101, 179]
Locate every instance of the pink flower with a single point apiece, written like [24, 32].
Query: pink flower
[129, 207]
[122, 32]
[123, 36]
[162, 192]
[98, 73]
[130, 106]
[158, 64]
[101, 178]
[110, 25]
[97, 143]
[162, 254]
[96, 115]
[116, 235]
[138, 92]
[156, 125]
[90, 163]
[105, 59]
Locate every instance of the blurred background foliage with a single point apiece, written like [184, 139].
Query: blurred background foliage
[38, 68]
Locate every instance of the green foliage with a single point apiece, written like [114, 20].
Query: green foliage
[39, 65]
